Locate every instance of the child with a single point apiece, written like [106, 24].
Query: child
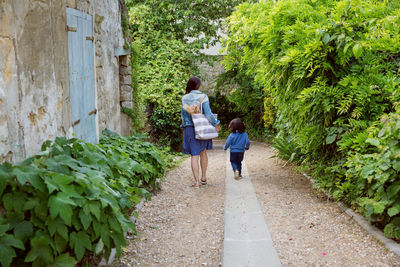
[239, 142]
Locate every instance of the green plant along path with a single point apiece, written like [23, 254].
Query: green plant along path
[73, 200]
[164, 60]
[330, 72]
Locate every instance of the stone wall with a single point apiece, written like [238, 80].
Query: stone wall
[34, 74]
[209, 74]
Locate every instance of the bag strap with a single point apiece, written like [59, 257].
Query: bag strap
[201, 104]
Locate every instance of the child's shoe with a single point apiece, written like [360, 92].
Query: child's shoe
[237, 176]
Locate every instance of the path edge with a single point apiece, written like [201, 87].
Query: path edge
[363, 222]
[107, 262]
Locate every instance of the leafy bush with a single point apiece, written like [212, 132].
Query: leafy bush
[330, 67]
[286, 149]
[371, 176]
[142, 163]
[330, 70]
[71, 202]
[237, 95]
[160, 32]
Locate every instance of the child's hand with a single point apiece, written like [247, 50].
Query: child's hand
[218, 127]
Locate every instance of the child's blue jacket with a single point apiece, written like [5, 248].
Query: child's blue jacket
[238, 142]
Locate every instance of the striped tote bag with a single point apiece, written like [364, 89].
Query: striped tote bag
[203, 129]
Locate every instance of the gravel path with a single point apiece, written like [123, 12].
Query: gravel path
[184, 227]
[307, 229]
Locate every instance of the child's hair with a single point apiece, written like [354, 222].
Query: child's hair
[236, 125]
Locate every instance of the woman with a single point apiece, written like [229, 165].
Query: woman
[196, 148]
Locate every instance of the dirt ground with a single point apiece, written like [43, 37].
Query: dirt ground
[184, 227]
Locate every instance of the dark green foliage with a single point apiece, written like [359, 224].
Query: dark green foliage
[182, 19]
[237, 95]
[331, 71]
[71, 202]
[372, 180]
[330, 66]
[166, 58]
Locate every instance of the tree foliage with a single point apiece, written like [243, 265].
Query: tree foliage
[331, 70]
[238, 95]
[168, 36]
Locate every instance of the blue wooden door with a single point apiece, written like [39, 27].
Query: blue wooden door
[81, 73]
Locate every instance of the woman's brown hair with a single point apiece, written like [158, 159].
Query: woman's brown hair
[236, 125]
[193, 84]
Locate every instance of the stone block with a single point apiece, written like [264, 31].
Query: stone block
[125, 79]
[125, 70]
[126, 104]
[126, 96]
[126, 88]
[71, 3]
[124, 61]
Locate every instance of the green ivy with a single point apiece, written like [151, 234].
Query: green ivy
[160, 31]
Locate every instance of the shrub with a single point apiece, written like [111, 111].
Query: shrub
[330, 68]
[371, 177]
[70, 203]
[160, 32]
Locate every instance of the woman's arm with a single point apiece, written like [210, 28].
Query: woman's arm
[183, 121]
[209, 115]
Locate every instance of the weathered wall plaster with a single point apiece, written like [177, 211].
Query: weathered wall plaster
[34, 74]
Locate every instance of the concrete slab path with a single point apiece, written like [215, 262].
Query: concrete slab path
[247, 241]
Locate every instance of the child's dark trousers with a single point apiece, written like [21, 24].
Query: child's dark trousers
[236, 161]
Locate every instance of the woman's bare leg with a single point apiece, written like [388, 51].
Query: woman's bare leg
[203, 164]
[195, 169]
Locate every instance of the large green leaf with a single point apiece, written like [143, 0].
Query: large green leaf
[40, 250]
[14, 201]
[86, 219]
[57, 225]
[7, 253]
[25, 174]
[61, 205]
[114, 224]
[373, 141]
[393, 211]
[94, 208]
[99, 247]
[23, 230]
[11, 241]
[64, 260]
[60, 243]
[357, 50]
[80, 241]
